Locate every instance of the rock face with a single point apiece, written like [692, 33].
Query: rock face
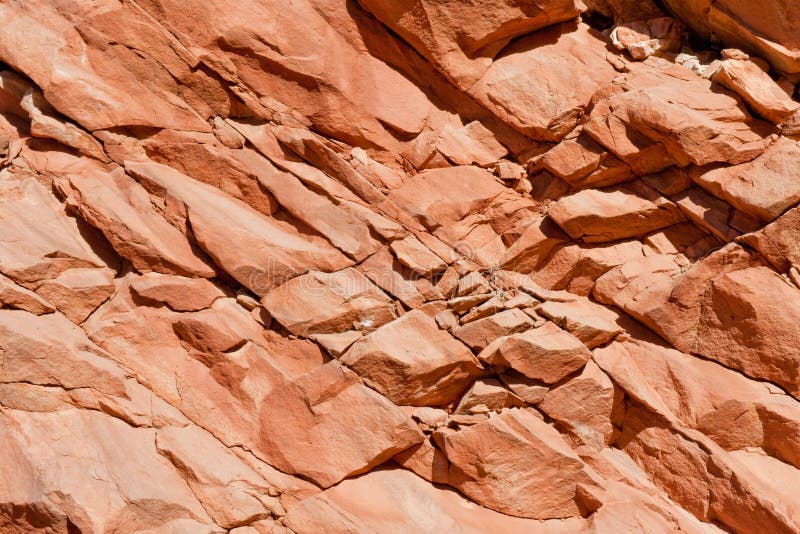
[767, 28]
[399, 266]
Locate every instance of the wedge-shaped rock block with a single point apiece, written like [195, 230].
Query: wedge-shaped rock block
[412, 362]
[517, 464]
[328, 303]
[546, 353]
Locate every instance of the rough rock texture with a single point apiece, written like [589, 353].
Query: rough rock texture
[399, 266]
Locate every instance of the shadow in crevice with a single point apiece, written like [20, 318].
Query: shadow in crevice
[384, 44]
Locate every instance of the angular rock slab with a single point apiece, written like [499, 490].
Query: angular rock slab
[322, 303]
[517, 464]
[412, 362]
[546, 353]
[256, 250]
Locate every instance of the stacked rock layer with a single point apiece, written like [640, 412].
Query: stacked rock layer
[399, 266]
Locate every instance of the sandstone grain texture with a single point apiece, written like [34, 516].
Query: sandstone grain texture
[412, 266]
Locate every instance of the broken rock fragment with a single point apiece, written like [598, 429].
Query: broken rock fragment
[412, 362]
[328, 303]
[546, 353]
[546, 472]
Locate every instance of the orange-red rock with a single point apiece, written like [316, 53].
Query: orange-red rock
[764, 187]
[322, 303]
[274, 267]
[767, 28]
[412, 362]
[598, 216]
[546, 353]
[484, 456]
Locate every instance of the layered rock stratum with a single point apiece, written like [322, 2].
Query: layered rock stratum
[399, 266]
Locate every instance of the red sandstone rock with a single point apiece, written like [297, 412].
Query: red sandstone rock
[516, 440]
[121, 209]
[460, 39]
[525, 88]
[767, 28]
[412, 362]
[762, 94]
[764, 187]
[598, 216]
[645, 38]
[546, 353]
[202, 205]
[258, 251]
[322, 303]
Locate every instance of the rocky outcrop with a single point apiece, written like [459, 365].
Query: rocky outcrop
[399, 266]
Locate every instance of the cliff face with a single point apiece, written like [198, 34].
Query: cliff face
[399, 266]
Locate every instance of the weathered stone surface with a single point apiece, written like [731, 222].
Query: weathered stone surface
[258, 251]
[765, 97]
[779, 241]
[716, 309]
[274, 267]
[459, 39]
[478, 334]
[518, 441]
[588, 405]
[768, 28]
[322, 303]
[764, 187]
[645, 38]
[546, 353]
[525, 88]
[412, 362]
[599, 216]
[17, 297]
[488, 395]
[39, 240]
[583, 163]
[472, 144]
[666, 115]
[593, 324]
[177, 292]
[417, 257]
[78, 292]
[389, 500]
[426, 461]
[120, 208]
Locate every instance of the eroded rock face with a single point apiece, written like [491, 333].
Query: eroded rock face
[767, 28]
[399, 266]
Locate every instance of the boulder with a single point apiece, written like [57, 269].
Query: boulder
[765, 187]
[328, 303]
[589, 406]
[417, 257]
[546, 353]
[412, 362]
[517, 464]
[540, 86]
[765, 97]
[177, 292]
[597, 216]
[481, 332]
[662, 114]
[592, 323]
